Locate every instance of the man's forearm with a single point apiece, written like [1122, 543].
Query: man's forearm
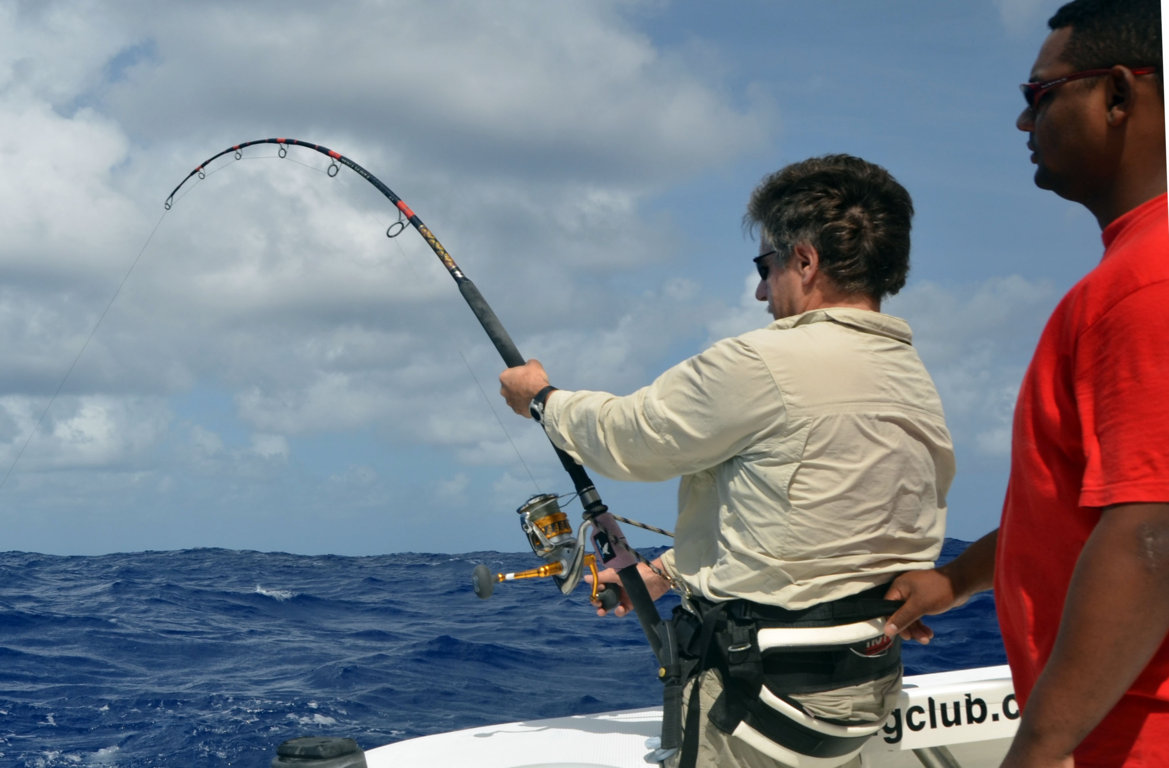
[1115, 617]
[973, 570]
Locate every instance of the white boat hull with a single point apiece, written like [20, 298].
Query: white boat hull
[969, 715]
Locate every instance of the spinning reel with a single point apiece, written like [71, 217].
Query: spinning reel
[550, 535]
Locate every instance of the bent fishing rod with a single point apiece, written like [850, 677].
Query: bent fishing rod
[546, 526]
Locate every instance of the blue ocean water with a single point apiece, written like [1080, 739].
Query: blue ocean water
[212, 657]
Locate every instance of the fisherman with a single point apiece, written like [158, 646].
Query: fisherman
[814, 461]
[1080, 561]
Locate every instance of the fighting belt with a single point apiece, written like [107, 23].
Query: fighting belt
[765, 655]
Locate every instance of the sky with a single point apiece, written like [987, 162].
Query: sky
[261, 367]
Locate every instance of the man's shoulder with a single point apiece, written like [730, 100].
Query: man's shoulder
[1134, 273]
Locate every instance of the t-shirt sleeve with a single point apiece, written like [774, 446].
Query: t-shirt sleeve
[1122, 382]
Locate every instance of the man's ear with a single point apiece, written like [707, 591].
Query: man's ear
[1121, 86]
[805, 259]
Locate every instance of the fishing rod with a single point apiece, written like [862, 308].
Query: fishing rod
[546, 526]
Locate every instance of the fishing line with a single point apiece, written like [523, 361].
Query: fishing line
[499, 421]
[396, 228]
[85, 345]
[109, 305]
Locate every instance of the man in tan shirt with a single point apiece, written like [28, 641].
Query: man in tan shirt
[813, 455]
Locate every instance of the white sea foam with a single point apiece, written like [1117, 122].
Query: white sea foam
[106, 756]
[275, 594]
[311, 720]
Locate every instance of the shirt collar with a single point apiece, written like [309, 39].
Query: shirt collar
[861, 319]
[1150, 211]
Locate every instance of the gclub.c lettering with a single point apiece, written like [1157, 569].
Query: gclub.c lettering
[918, 718]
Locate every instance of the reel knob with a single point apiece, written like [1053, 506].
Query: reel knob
[608, 598]
[483, 580]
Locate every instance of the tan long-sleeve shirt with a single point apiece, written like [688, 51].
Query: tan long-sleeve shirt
[813, 454]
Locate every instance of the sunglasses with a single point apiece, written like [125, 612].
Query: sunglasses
[1033, 92]
[762, 266]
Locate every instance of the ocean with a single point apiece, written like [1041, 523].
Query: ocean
[212, 657]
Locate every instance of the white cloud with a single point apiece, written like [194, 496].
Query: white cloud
[564, 90]
[454, 488]
[976, 341]
[270, 447]
[748, 314]
[206, 442]
[91, 431]
[29, 30]
[1022, 17]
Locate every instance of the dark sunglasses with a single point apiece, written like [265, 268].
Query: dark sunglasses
[1033, 92]
[761, 265]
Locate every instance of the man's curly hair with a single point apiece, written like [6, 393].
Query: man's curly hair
[853, 212]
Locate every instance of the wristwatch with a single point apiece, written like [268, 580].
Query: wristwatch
[536, 407]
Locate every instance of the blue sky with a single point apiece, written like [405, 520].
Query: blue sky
[273, 373]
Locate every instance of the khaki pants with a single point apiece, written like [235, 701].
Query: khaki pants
[868, 703]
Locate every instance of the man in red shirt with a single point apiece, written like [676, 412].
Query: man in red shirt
[1080, 562]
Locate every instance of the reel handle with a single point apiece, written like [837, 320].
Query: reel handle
[483, 581]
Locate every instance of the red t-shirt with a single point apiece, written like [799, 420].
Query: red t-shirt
[1091, 430]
